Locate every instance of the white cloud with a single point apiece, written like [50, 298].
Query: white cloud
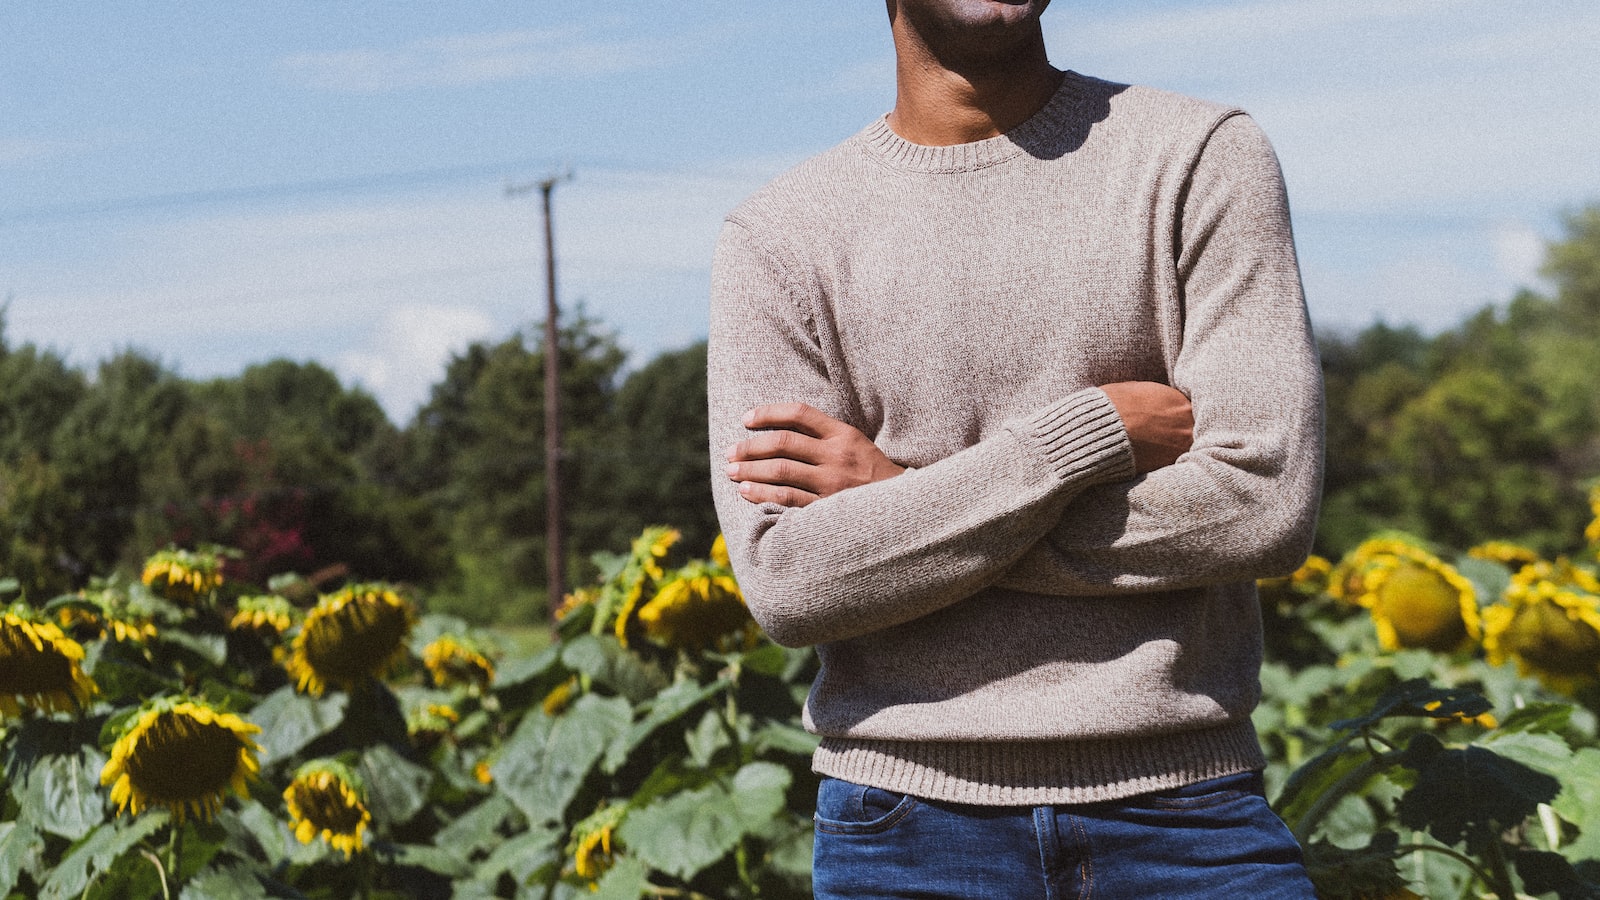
[477, 59]
[406, 354]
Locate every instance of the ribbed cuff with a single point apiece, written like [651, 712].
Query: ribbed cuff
[1081, 438]
[1030, 773]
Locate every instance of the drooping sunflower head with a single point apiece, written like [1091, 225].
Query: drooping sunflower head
[1419, 601]
[1511, 555]
[350, 635]
[182, 754]
[699, 608]
[430, 723]
[40, 668]
[327, 799]
[453, 660]
[266, 616]
[1348, 580]
[620, 595]
[1549, 623]
[183, 576]
[592, 840]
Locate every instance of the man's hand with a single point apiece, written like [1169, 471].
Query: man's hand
[1158, 419]
[802, 454]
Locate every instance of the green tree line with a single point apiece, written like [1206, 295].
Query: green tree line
[1490, 429]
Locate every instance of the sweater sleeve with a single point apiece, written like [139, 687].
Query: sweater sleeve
[884, 553]
[1241, 504]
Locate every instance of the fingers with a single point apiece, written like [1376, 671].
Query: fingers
[793, 416]
[781, 494]
[777, 444]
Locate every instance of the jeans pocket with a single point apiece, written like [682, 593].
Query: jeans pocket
[844, 807]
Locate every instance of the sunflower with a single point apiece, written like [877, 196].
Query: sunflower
[104, 613]
[182, 754]
[355, 633]
[455, 660]
[1418, 600]
[1512, 556]
[40, 667]
[575, 601]
[183, 576]
[592, 841]
[265, 616]
[624, 591]
[430, 723]
[719, 552]
[700, 608]
[1347, 580]
[1549, 623]
[327, 798]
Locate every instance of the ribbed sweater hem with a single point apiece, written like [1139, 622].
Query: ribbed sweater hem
[1029, 773]
[1080, 435]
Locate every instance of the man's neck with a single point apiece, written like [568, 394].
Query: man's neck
[937, 105]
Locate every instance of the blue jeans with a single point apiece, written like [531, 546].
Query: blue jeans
[1214, 839]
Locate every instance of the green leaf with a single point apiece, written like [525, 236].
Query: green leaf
[1341, 874]
[60, 793]
[95, 854]
[521, 669]
[707, 738]
[523, 855]
[1579, 803]
[1469, 793]
[1537, 750]
[545, 761]
[289, 721]
[603, 660]
[236, 881]
[627, 880]
[687, 832]
[1538, 717]
[445, 862]
[668, 705]
[20, 847]
[478, 828]
[212, 648]
[1416, 697]
[785, 738]
[396, 787]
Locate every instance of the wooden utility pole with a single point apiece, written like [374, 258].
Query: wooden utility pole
[554, 529]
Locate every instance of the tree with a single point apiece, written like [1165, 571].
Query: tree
[476, 454]
[654, 467]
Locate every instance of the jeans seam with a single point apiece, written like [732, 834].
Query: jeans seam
[877, 826]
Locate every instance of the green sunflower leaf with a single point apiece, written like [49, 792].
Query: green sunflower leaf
[684, 833]
[396, 787]
[61, 793]
[627, 880]
[20, 846]
[94, 854]
[1469, 794]
[668, 705]
[289, 721]
[546, 760]
[1579, 803]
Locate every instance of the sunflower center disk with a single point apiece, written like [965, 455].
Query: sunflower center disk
[180, 759]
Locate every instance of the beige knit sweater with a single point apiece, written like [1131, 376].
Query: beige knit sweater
[1019, 619]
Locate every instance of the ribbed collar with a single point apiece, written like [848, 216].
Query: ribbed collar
[1040, 130]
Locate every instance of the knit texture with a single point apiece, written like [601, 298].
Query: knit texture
[1020, 619]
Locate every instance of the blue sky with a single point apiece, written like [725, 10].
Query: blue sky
[224, 183]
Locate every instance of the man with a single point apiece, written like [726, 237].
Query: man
[1017, 397]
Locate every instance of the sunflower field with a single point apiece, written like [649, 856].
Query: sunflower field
[1430, 716]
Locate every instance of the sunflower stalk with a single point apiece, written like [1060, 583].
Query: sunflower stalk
[161, 871]
[1348, 784]
[1478, 871]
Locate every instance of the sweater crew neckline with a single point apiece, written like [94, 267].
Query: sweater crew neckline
[882, 140]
